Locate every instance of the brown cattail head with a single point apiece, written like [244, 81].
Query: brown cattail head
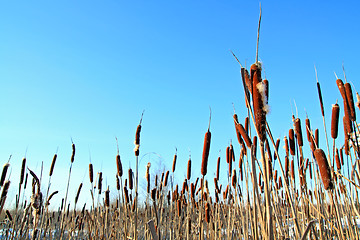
[227, 154]
[174, 162]
[298, 132]
[246, 125]
[246, 78]
[3, 174]
[91, 173]
[131, 185]
[188, 173]
[22, 173]
[207, 212]
[178, 205]
[119, 166]
[243, 132]
[166, 178]
[341, 157]
[335, 120]
[73, 153]
[117, 182]
[320, 98]
[317, 137]
[286, 166]
[341, 87]
[338, 164]
[100, 182]
[308, 129]
[107, 197]
[292, 170]
[292, 141]
[233, 180]
[277, 144]
[350, 101]
[259, 101]
[137, 135]
[205, 155]
[78, 193]
[286, 146]
[358, 100]
[218, 168]
[238, 134]
[324, 167]
[232, 154]
[310, 171]
[52, 165]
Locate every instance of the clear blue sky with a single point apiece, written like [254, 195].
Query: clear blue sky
[87, 69]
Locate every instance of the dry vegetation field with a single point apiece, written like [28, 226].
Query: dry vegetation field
[298, 195]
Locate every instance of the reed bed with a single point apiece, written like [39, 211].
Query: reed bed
[297, 194]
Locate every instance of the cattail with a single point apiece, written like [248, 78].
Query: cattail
[207, 212]
[275, 174]
[277, 144]
[358, 100]
[107, 197]
[166, 178]
[131, 185]
[50, 197]
[188, 175]
[255, 144]
[341, 87]
[78, 193]
[137, 139]
[8, 215]
[324, 168]
[341, 157]
[320, 98]
[348, 129]
[22, 173]
[153, 194]
[178, 205]
[205, 155]
[117, 183]
[280, 182]
[100, 182]
[3, 175]
[91, 173]
[350, 101]
[259, 101]
[298, 132]
[317, 137]
[292, 142]
[233, 180]
[246, 79]
[218, 168]
[174, 162]
[308, 129]
[286, 146]
[133, 205]
[286, 166]
[227, 154]
[119, 166]
[232, 153]
[238, 134]
[244, 134]
[156, 180]
[126, 194]
[338, 164]
[73, 153]
[310, 172]
[335, 120]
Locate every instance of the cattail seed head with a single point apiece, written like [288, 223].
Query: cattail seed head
[286, 146]
[100, 182]
[119, 166]
[117, 183]
[107, 198]
[78, 193]
[317, 137]
[205, 155]
[52, 165]
[259, 101]
[324, 168]
[233, 180]
[227, 154]
[3, 174]
[131, 185]
[350, 101]
[308, 129]
[178, 205]
[292, 142]
[126, 194]
[238, 134]
[207, 212]
[341, 157]
[188, 175]
[335, 120]
[286, 166]
[174, 162]
[338, 164]
[22, 173]
[91, 173]
[277, 144]
[166, 178]
[73, 153]
[298, 132]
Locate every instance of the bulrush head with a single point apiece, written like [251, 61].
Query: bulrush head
[324, 167]
[350, 101]
[298, 132]
[188, 173]
[308, 129]
[206, 150]
[119, 166]
[292, 141]
[52, 165]
[335, 120]
[259, 101]
[91, 173]
[244, 134]
[174, 161]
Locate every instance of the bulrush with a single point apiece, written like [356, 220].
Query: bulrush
[308, 129]
[324, 168]
[350, 101]
[73, 152]
[206, 149]
[52, 165]
[131, 185]
[174, 161]
[207, 212]
[298, 132]
[338, 163]
[244, 134]
[188, 173]
[218, 168]
[238, 134]
[166, 178]
[335, 120]
[22, 173]
[91, 173]
[259, 101]
[292, 142]
[3, 174]
[119, 166]
[341, 87]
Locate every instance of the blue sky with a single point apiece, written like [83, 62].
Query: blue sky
[86, 70]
